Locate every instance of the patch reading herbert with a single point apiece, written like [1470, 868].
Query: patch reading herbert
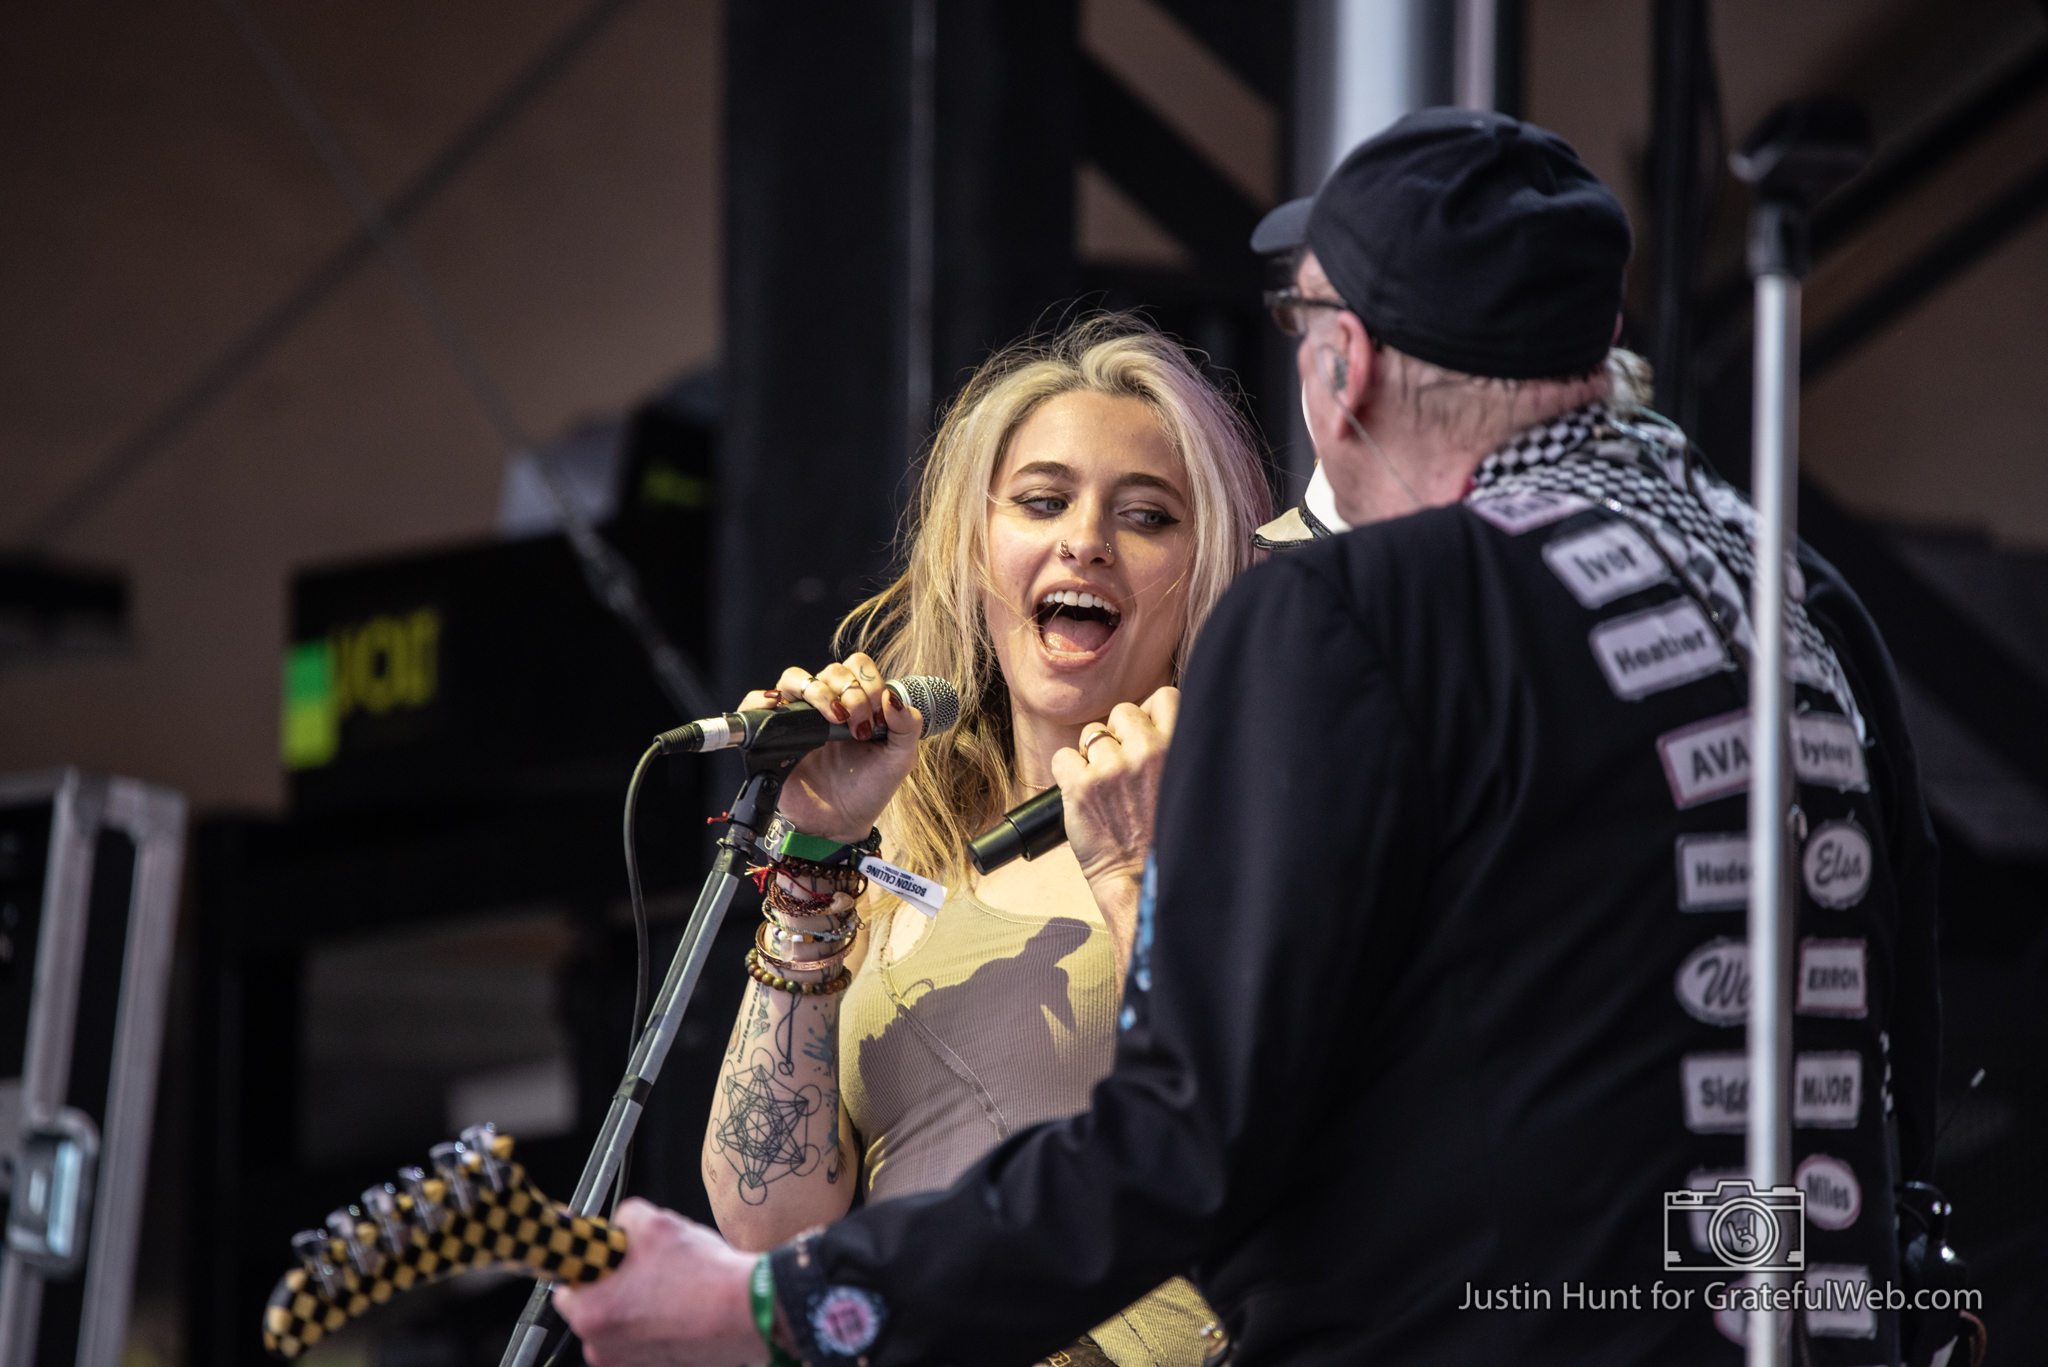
[1524, 510]
[1825, 750]
[1827, 1090]
[1713, 982]
[1837, 864]
[1832, 978]
[1834, 1198]
[1839, 1301]
[1716, 1093]
[1707, 760]
[1713, 872]
[1647, 652]
[1609, 562]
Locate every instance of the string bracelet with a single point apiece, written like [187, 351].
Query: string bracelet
[760, 974]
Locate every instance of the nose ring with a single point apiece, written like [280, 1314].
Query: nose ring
[1065, 554]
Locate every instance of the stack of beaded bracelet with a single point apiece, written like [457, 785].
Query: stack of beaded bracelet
[797, 908]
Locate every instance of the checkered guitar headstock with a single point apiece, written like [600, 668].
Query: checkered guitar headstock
[475, 1209]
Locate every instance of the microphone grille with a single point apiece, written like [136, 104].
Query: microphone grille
[935, 699]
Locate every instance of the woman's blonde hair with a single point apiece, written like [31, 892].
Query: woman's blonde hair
[930, 621]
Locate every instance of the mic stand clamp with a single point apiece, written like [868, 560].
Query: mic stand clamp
[775, 751]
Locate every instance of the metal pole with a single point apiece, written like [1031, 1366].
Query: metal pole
[1775, 440]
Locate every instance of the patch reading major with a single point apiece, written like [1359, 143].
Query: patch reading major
[1526, 509]
[1706, 760]
[1713, 872]
[1827, 1090]
[1833, 979]
[1609, 562]
[1662, 647]
[1825, 751]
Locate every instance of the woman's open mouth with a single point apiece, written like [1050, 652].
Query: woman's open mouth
[1072, 622]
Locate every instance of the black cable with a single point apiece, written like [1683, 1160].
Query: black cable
[640, 946]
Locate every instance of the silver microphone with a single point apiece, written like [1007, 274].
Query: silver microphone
[936, 700]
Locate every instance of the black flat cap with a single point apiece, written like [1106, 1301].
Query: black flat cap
[1470, 240]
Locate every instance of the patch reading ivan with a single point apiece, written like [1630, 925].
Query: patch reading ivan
[1609, 562]
[1647, 652]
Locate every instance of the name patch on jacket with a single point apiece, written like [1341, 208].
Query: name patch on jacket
[1836, 865]
[1834, 1198]
[1833, 977]
[1523, 510]
[1713, 872]
[1825, 750]
[1707, 759]
[1713, 982]
[1658, 648]
[1827, 1091]
[1607, 563]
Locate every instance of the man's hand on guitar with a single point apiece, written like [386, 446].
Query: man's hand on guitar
[680, 1298]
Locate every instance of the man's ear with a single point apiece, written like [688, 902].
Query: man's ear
[1351, 372]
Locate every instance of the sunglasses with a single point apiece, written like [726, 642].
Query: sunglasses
[1289, 308]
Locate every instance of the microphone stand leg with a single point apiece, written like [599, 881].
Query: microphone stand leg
[750, 813]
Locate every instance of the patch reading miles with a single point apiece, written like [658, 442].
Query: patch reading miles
[1833, 978]
[1713, 872]
[1706, 760]
[1713, 982]
[1827, 1091]
[1825, 750]
[1518, 512]
[1836, 865]
[1607, 563]
[1647, 652]
[1834, 1198]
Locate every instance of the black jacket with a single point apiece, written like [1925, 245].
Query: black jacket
[1416, 1014]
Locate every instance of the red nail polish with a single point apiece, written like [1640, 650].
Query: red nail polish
[895, 703]
[839, 712]
[773, 695]
[865, 731]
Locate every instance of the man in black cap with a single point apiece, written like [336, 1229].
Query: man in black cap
[1434, 1020]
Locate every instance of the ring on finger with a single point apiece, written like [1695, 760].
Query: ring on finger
[1096, 735]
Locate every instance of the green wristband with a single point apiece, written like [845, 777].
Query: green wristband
[762, 1288]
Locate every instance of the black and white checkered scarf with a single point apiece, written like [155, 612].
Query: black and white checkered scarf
[1636, 468]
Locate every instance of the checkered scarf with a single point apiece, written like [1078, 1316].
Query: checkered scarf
[1637, 469]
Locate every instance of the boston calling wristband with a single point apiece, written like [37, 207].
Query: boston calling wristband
[761, 1289]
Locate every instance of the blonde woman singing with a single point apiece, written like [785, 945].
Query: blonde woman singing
[1084, 505]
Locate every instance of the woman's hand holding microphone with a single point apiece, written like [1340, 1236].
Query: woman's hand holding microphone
[839, 790]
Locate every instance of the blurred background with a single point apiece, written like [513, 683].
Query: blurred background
[321, 318]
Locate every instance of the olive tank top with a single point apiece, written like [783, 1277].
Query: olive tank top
[994, 1021]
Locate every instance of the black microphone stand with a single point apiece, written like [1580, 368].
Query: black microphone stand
[782, 739]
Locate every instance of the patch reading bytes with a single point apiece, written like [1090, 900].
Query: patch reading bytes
[1647, 652]
[1713, 872]
[1825, 750]
[1827, 1091]
[1604, 564]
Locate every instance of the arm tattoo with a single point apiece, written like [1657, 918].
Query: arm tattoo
[765, 1133]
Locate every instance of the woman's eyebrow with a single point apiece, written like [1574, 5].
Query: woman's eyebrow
[1051, 469]
[1139, 479]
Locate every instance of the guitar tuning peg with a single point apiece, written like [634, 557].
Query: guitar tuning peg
[484, 1141]
[358, 1238]
[382, 1203]
[426, 1193]
[317, 1254]
[449, 1167]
